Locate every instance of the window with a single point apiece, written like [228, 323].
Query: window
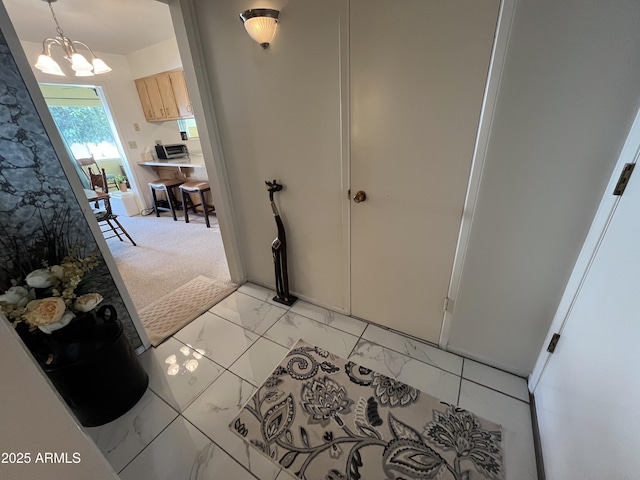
[81, 120]
[189, 126]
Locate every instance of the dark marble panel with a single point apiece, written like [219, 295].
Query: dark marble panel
[35, 195]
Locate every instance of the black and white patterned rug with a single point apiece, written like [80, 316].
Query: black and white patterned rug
[325, 418]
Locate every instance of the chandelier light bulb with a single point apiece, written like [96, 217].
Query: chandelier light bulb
[48, 65]
[79, 63]
[99, 66]
[84, 73]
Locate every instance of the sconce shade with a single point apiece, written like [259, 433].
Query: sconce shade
[261, 24]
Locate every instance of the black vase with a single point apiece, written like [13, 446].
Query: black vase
[92, 365]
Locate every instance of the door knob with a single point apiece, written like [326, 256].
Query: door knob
[360, 196]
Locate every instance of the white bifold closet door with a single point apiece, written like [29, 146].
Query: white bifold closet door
[418, 70]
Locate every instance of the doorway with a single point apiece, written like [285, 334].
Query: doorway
[168, 254]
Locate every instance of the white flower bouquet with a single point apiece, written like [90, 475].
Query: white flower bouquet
[47, 298]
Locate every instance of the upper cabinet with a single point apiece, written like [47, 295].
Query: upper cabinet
[164, 96]
[183, 104]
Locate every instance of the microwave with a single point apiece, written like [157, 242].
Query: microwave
[167, 152]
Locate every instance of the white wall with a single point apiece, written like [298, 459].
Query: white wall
[35, 420]
[161, 57]
[278, 112]
[568, 95]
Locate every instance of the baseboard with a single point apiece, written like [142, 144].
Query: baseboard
[271, 286]
[536, 438]
[478, 358]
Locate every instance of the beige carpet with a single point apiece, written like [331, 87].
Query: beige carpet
[175, 310]
[322, 417]
[169, 254]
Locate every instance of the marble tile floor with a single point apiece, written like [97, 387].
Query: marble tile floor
[202, 376]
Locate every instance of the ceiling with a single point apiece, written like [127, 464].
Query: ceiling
[111, 26]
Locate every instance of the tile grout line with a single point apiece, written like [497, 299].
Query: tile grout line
[214, 361]
[408, 336]
[328, 324]
[218, 445]
[159, 433]
[359, 338]
[412, 358]
[396, 332]
[496, 390]
[234, 362]
[314, 321]
[460, 384]
[153, 440]
[357, 342]
[367, 324]
[267, 300]
[181, 415]
[228, 369]
[289, 310]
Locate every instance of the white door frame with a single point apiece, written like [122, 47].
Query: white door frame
[629, 154]
[345, 160]
[494, 77]
[188, 37]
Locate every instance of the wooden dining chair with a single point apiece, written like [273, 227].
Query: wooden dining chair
[87, 163]
[107, 220]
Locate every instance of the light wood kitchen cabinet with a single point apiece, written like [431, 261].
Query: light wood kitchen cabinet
[183, 102]
[143, 93]
[164, 96]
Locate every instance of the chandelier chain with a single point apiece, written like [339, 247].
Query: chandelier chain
[55, 19]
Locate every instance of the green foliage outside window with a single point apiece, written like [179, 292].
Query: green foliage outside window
[82, 125]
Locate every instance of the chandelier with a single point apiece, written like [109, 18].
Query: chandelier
[79, 63]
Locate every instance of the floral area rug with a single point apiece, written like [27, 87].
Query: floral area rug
[325, 418]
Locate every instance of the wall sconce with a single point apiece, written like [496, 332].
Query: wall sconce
[260, 24]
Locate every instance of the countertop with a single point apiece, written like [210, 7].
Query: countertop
[182, 163]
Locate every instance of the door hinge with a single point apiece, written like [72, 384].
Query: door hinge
[552, 344]
[627, 170]
[445, 305]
